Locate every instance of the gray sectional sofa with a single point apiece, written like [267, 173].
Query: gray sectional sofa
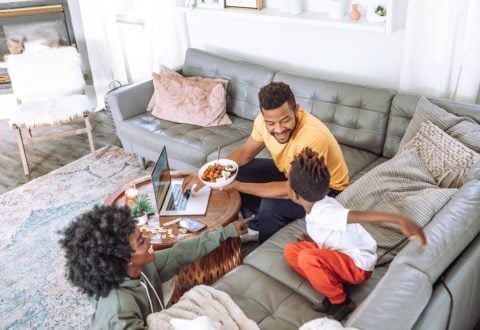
[438, 288]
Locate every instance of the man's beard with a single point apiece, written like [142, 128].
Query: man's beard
[290, 132]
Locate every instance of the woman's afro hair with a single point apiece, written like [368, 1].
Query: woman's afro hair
[309, 176]
[97, 249]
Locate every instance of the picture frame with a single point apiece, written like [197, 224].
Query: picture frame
[253, 4]
[210, 4]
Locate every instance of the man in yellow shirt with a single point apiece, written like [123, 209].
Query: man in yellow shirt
[285, 130]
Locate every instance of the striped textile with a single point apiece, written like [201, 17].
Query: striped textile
[401, 185]
[463, 129]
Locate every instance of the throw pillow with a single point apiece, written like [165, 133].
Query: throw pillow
[166, 71]
[180, 100]
[401, 185]
[447, 159]
[463, 129]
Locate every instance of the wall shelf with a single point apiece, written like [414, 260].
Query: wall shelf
[309, 18]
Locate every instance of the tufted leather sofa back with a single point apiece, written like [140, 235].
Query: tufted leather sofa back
[245, 79]
[403, 107]
[356, 115]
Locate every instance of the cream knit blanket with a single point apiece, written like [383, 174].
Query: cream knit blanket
[203, 300]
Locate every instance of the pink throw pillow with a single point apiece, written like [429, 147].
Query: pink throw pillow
[186, 101]
[166, 71]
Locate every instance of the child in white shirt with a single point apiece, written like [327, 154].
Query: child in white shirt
[337, 249]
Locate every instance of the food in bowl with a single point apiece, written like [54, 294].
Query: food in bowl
[219, 173]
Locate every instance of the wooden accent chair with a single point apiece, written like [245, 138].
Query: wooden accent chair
[50, 91]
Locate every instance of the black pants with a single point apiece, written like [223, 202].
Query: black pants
[271, 214]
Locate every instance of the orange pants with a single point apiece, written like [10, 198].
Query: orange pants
[325, 269]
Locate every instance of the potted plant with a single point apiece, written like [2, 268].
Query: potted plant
[141, 209]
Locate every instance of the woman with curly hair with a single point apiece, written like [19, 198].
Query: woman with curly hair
[110, 261]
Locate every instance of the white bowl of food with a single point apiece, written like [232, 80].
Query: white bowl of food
[218, 173]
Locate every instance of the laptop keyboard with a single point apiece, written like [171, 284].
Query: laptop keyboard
[178, 200]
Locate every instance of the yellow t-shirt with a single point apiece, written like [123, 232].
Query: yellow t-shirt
[309, 132]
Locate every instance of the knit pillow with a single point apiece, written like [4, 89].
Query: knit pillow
[401, 185]
[447, 159]
[463, 129]
[166, 71]
[180, 100]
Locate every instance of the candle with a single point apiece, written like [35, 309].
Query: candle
[131, 195]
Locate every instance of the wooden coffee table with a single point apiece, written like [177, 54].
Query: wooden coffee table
[223, 208]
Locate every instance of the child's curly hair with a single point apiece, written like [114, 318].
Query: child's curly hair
[309, 176]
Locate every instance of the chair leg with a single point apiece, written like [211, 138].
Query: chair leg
[21, 147]
[141, 162]
[88, 125]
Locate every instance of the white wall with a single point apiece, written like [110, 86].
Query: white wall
[368, 58]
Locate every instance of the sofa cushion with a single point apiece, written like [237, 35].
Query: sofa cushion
[356, 115]
[401, 185]
[447, 159]
[356, 159]
[403, 109]
[166, 71]
[245, 79]
[186, 143]
[201, 103]
[269, 258]
[266, 301]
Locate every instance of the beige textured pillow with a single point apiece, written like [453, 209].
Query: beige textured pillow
[166, 71]
[464, 129]
[401, 185]
[447, 159]
[181, 100]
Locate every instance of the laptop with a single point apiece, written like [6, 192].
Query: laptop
[169, 198]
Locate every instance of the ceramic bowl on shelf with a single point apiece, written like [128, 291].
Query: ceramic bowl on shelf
[218, 173]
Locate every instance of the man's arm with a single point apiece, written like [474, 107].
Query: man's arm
[241, 155]
[407, 226]
[276, 189]
[246, 152]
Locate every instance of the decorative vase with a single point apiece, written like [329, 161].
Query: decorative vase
[295, 7]
[355, 13]
[336, 9]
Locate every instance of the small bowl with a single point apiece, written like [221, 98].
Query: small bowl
[220, 182]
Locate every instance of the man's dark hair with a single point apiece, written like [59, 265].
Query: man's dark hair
[309, 176]
[274, 95]
[97, 249]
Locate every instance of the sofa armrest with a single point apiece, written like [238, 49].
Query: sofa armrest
[129, 101]
[396, 302]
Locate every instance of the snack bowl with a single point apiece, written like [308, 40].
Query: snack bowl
[220, 177]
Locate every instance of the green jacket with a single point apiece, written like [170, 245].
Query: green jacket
[129, 305]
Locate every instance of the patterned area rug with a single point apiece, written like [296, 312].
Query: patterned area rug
[35, 293]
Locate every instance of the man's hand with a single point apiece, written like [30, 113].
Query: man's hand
[242, 225]
[189, 181]
[412, 231]
[304, 237]
[230, 187]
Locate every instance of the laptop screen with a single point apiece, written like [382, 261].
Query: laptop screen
[161, 179]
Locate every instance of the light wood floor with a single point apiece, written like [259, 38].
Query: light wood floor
[47, 156]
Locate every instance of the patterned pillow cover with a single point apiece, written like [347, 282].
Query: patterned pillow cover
[401, 185]
[180, 100]
[463, 129]
[447, 159]
[166, 71]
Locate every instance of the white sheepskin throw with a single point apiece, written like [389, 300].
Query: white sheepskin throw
[49, 112]
[46, 73]
[324, 323]
[219, 311]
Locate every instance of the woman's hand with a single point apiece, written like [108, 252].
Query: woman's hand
[242, 225]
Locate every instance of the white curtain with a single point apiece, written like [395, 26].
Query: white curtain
[103, 46]
[442, 49]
